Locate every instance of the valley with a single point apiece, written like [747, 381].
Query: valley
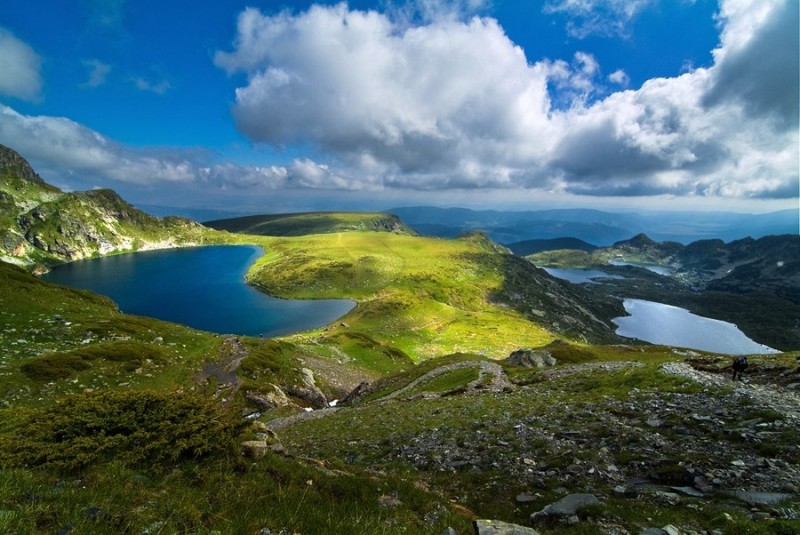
[467, 384]
[751, 283]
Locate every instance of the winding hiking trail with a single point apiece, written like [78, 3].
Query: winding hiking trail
[499, 382]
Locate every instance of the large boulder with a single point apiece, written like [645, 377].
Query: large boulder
[364, 388]
[566, 507]
[531, 358]
[255, 449]
[274, 397]
[308, 391]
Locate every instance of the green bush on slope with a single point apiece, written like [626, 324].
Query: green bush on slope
[128, 355]
[152, 430]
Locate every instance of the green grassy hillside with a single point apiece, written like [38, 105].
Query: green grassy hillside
[634, 428]
[300, 224]
[426, 297]
[135, 410]
[117, 423]
[113, 423]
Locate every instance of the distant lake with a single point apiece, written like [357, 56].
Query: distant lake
[661, 270]
[673, 326]
[202, 287]
[578, 276]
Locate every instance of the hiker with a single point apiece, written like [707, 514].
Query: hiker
[739, 366]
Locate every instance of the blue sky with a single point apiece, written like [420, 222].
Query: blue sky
[285, 106]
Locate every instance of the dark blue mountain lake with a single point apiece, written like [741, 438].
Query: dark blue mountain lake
[668, 325]
[202, 287]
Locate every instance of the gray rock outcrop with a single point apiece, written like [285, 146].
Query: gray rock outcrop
[265, 401]
[531, 358]
[565, 507]
[308, 390]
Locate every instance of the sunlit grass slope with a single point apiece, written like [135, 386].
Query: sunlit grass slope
[56, 340]
[423, 296]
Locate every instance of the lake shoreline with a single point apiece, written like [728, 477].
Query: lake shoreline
[669, 325]
[202, 286]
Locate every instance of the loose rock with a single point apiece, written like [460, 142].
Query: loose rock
[496, 527]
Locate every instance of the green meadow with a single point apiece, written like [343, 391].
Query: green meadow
[423, 297]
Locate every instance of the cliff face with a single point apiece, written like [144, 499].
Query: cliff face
[41, 225]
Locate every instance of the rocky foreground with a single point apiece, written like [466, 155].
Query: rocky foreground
[707, 444]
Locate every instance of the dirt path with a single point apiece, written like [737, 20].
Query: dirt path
[497, 383]
[768, 396]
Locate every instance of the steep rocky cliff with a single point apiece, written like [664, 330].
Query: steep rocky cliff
[41, 225]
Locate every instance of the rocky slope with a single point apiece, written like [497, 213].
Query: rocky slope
[41, 225]
[639, 438]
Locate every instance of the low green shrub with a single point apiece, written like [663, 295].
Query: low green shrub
[271, 358]
[56, 366]
[149, 430]
[128, 355]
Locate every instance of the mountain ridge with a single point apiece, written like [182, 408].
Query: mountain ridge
[302, 223]
[42, 226]
[597, 227]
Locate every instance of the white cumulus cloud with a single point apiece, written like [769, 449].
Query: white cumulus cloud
[61, 143]
[74, 155]
[451, 103]
[619, 77]
[419, 99]
[20, 68]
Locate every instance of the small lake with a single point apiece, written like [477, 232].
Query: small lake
[202, 287]
[673, 326]
[579, 276]
[661, 270]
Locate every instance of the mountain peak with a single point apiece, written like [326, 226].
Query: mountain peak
[640, 240]
[40, 225]
[14, 165]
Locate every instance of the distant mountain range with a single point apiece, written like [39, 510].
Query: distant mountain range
[596, 227]
[299, 224]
